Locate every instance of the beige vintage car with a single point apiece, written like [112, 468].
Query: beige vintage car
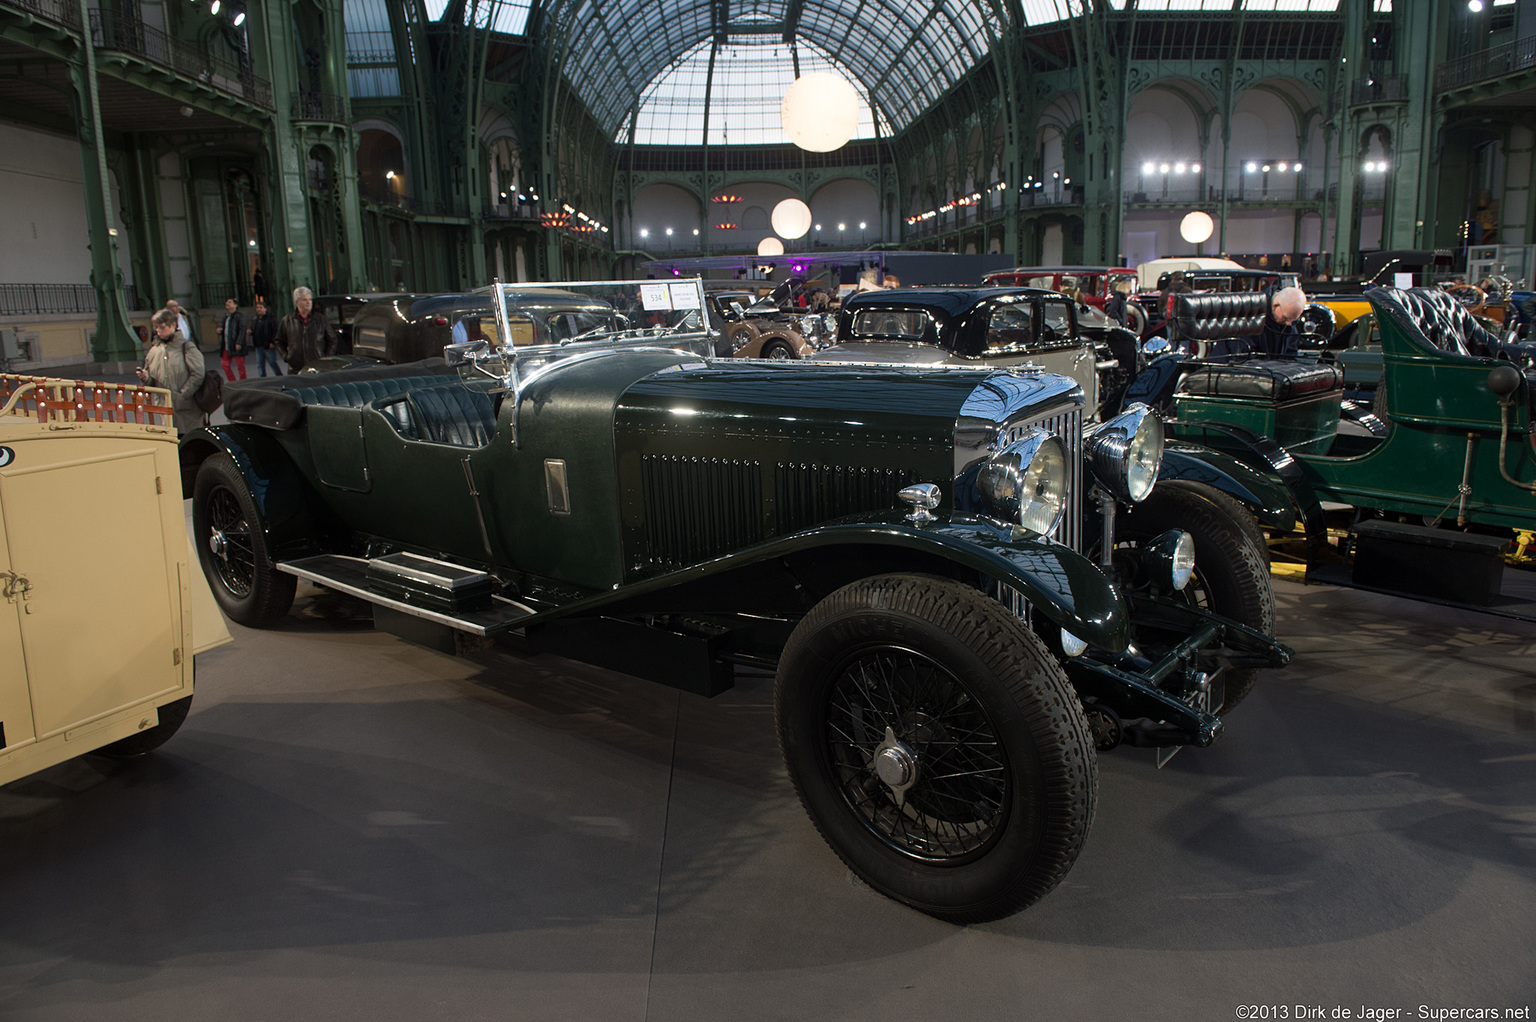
[104, 606]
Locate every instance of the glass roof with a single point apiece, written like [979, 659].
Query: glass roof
[749, 83]
[902, 55]
[648, 63]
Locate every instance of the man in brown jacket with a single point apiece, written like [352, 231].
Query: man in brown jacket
[305, 335]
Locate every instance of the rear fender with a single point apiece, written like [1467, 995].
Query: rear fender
[291, 513]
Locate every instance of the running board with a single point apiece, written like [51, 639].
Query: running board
[350, 575]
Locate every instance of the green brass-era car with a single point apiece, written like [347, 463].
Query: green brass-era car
[907, 546]
[1450, 438]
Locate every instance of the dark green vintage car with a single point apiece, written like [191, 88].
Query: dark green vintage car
[909, 546]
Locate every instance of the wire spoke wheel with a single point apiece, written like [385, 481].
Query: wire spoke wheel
[233, 547]
[230, 543]
[897, 712]
[936, 745]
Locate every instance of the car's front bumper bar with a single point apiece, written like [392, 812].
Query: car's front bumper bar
[1175, 699]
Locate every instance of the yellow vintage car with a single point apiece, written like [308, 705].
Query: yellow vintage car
[104, 606]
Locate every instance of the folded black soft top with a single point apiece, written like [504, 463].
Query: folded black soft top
[277, 402]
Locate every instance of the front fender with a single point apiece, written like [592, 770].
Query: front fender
[290, 512]
[1265, 495]
[1067, 588]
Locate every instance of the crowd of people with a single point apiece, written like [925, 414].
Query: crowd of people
[173, 357]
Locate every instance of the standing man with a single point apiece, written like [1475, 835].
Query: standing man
[232, 336]
[183, 321]
[263, 337]
[305, 336]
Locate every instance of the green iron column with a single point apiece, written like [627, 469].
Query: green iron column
[115, 340]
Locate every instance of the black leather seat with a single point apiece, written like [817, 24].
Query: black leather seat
[1269, 379]
[1219, 315]
[449, 414]
[1445, 322]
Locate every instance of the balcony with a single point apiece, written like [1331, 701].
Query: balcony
[110, 31]
[61, 12]
[1491, 63]
[1378, 89]
[319, 106]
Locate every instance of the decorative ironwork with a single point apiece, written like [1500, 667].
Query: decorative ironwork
[111, 31]
[1519, 55]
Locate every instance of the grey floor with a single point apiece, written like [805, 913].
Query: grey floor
[351, 827]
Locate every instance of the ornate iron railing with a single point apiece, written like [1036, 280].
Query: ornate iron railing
[1490, 63]
[63, 12]
[110, 31]
[1378, 89]
[56, 299]
[310, 105]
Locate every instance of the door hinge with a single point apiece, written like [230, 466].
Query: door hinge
[158, 488]
[176, 656]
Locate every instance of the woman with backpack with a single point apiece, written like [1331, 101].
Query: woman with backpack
[175, 363]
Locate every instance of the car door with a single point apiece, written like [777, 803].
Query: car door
[100, 614]
[15, 702]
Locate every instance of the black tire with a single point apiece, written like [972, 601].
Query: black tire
[232, 548]
[171, 717]
[778, 350]
[963, 687]
[1231, 574]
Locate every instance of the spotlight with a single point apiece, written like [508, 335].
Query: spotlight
[239, 18]
[1251, 167]
[1296, 167]
[1284, 167]
[1162, 168]
[1149, 168]
[1194, 168]
[213, 8]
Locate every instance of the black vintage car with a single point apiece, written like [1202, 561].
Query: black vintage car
[408, 328]
[965, 594]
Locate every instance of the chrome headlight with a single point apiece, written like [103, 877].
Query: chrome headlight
[1126, 453]
[1170, 558]
[1026, 482]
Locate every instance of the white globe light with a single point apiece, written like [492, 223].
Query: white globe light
[791, 219]
[1197, 227]
[820, 111]
[770, 247]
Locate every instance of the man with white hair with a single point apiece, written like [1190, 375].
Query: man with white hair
[1280, 335]
[305, 336]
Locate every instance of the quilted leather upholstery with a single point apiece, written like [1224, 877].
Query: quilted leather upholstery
[1219, 315]
[452, 414]
[356, 393]
[1272, 380]
[1445, 323]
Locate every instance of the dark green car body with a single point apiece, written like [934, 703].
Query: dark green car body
[634, 503]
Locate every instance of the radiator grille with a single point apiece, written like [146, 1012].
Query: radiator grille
[1068, 426]
[806, 494]
[699, 508]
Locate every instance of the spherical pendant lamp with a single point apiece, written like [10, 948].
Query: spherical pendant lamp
[820, 112]
[791, 219]
[770, 246]
[1197, 227]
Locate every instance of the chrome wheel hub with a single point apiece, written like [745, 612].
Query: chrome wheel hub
[895, 763]
[218, 545]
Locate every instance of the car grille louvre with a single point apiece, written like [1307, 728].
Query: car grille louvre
[1068, 426]
[699, 508]
[806, 494]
